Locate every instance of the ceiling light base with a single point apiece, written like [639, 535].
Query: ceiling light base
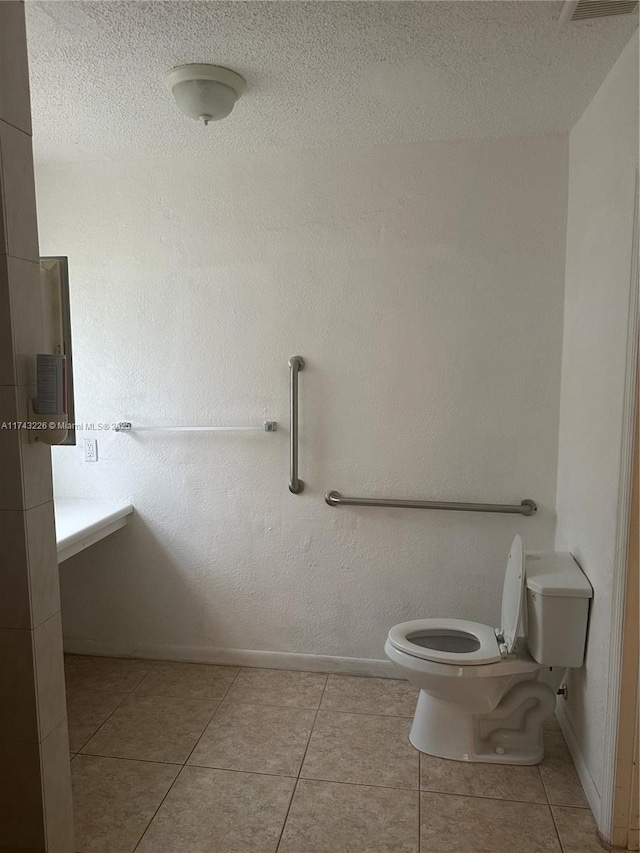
[205, 92]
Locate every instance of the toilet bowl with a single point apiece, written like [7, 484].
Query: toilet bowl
[486, 691]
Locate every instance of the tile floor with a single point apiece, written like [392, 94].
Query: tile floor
[188, 758]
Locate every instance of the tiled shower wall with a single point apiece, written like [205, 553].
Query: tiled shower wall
[35, 790]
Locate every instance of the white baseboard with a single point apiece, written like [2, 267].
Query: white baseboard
[591, 792]
[232, 657]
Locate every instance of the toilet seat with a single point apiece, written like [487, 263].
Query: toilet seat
[451, 641]
[463, 643]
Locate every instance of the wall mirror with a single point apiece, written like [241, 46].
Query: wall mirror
[54, 276]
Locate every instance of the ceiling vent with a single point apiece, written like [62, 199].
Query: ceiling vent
[584, 10]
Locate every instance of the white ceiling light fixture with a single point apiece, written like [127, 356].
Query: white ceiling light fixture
[205, 92]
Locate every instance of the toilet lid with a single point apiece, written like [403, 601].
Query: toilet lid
[513, 594]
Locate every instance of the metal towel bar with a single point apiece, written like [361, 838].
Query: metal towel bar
[527, 507]
[296, 364]
[126, 426]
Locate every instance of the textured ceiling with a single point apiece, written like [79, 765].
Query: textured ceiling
[318, 73]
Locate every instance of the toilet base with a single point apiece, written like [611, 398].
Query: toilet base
[444, 729]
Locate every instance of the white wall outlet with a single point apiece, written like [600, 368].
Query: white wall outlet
[90, 449]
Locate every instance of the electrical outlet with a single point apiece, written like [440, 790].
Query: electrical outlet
[90, 449]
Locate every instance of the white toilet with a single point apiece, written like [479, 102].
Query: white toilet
[485, 692]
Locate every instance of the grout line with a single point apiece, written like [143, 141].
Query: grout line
[155, 760]
[97, 690]
[313, 725]
[362, 713]
[21, 129]
[484, 797]
[110, 689]
[586, 808]
[84, 743]
[306, 749]
[276, 775]
[222, 694]
[211, 718]
[422, 791]
[231, 701]
[560, 805]
[142, 678]
[570, 763]
[249, 772]
[544, 787]
[179, 773]
[108, 692]
[313, 779]
[26, 508]
[118, 758]
[286, 817]
[328, 673]
[555, 826]
[128, 758]
[365, 713]
[325, 672]
[233, 680]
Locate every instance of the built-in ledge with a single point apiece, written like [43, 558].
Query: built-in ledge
[80, 524]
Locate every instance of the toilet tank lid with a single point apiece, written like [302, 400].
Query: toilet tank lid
[556, 573]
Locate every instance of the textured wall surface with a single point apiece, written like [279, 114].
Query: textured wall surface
[424, 287]
[603, 159]
[318, 74]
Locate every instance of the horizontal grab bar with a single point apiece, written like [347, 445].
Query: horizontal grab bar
[267, 426]
[527, 507]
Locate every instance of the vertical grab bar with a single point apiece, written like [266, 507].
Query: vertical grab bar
[296, 364]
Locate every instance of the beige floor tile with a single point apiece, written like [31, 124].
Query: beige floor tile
[577, 830]
[153, 728]
[499, 781]
[363, 749]
[278, 687]
[87, 710]
[188, 680]
[256, 738]
[328, 817]
[114, 800]
[369, 696]
[551, 724]
[220, 811]
[451, 824]
[559, 775]
[96, 673]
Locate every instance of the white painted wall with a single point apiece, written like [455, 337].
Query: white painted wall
[603, 159]
[424, 287]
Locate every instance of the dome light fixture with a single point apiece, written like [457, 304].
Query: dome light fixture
[205, 92]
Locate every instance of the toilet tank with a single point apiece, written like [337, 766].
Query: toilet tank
[558, 594]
